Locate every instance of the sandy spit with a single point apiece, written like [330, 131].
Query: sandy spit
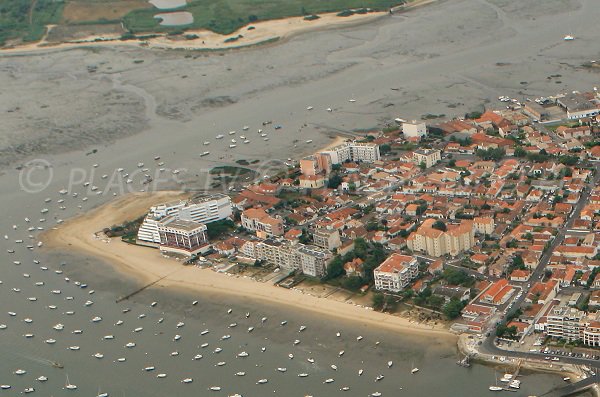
[147, 265]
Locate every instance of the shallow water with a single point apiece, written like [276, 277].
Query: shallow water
[175, 18]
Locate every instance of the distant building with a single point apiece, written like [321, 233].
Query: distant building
[182, 237]
[328, 239]
[309, 259]
[434, 242]
[256, 219]
[353, 151]
[313, 260]
[483, 225]
[578, 106]
[396, 272]
[414, 129]
[429, 157]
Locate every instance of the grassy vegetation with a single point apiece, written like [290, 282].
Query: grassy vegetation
[227, 16]
[26, 19]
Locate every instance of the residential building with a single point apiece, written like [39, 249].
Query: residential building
[578, 106]
[256, 219]
[313, 260]
[182, 237]
[429, 157]
[353, 151]
[309, 259]
[590, 333]
[396, 272]
[435, 242]
[564, 322]
[483, 225]
[329, 239]
[414, 129]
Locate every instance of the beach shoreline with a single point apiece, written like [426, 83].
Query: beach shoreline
[254, 34]
[147, 265]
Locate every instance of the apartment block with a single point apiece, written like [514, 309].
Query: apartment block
[256, 219]
[328, 239]
[429, 157]
[396, 272]
[435, 242]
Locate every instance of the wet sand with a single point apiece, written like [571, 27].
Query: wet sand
[147, 265]
[470, 53]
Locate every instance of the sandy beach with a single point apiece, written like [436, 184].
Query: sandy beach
[147, 265]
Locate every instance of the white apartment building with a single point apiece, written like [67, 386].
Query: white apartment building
[353, 151]
[311, 260]
[396, 272]
[205, 209]
[429, 157]
[564, 322]
[414, 129]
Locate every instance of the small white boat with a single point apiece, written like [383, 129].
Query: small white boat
[2, 326]
[569, 37]
[187, 380]
[176, 338]
[225, 337]
[262, 381]
[245, 128]
[206, 143]
[218, 350]
[221, 363]
[5, 387]
[379, 377]
[296, 342]
[175, 353]
[250, 329]
[231, 132]
[360, 372]
[302, 328]
[330, 380]
[69, 385]
[359, 338]
[28, 390]
[291, 356]
[99, 355]
[414, 370]
[334, 367]
[246, 141]
[138, 329]
[215, 388]
[376, 394]
[130, 345]
[219, 136]
[232, 146]
[338, 334]
[108, 337]
[20, 372]
[74, 348]
[390, 363]
[281, 369]
[241, 373]
[161, 376]
[345, 388]
[233, 141]
[96, 319]
[232, 325]
[59, 327]
[197, 357]
[205, 344]
[205, 153]
[495, 388]
[204, 332]
[341, 353]
[311, 360]
[148, 369]
[309, 108]
[243, 354]
[262, 320]
[41, 378]
[50, 341]
[121, 360]
[302, 375]
[309, 141]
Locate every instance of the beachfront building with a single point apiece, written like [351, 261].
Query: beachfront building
[313, 260]
[353, 151]
[436, 242]
[396, 272]
[590, 333]
[564, 322]
[256, 219]
[328, 239]
[309, 259]
[182, 237]
[204, 209]
[428, 157]
[414, 130]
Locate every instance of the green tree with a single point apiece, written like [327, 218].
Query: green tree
[435, 301]
[352, 283]
[452, 163]
[335, 268]
[452, 309]
[385, 149]
[378, 301]
[334, 181]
